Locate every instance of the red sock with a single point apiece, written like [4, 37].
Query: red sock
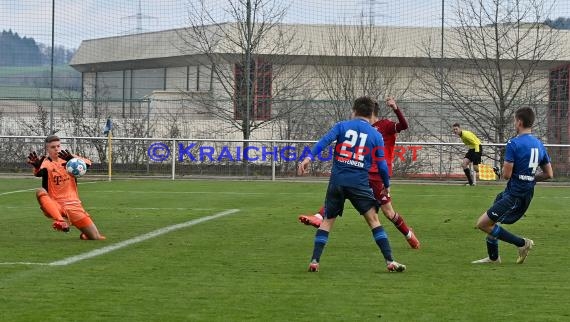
[322, 211]
[399, 222]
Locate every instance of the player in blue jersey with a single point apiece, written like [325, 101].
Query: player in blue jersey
[524, 154]
[358, 144]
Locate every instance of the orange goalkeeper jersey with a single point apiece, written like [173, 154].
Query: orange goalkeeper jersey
[60, 185]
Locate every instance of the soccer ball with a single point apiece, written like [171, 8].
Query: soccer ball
[76, 167]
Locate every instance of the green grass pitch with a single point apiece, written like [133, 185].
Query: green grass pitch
[251, 265]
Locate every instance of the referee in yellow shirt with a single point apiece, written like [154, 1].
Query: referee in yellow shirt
[474, 153]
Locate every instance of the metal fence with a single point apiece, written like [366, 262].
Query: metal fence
[263, 159]
[438, 84]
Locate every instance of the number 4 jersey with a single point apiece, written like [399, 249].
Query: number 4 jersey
[527, 153]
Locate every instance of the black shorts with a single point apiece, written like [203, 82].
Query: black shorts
[361, 198]
[473, 156]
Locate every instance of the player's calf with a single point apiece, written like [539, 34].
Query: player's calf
[88, 229]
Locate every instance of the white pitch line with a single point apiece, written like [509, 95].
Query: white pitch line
[16, 191]
[138, 239]
[32, 189]
[22, 263]
[202, 192]
[128, 208]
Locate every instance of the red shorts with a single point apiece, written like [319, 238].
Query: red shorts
[377, 186]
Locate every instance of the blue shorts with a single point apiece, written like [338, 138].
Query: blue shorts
[508, 209]
[361, 198]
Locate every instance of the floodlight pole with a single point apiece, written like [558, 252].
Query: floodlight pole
[248, 79]
[51, 69]
[441, 87]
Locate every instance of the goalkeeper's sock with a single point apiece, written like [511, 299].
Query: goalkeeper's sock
[321, 239]
[492, 248]
[468, 175]
[49, 207]
[400, 224]
[381, 239]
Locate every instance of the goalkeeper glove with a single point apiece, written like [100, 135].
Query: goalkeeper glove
[65, 154]
[34, 160]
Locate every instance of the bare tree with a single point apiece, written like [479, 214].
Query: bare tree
[495, 60]
[250, 59]
[38, 126]
[355, 67]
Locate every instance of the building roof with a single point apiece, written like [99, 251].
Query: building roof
[174, 47]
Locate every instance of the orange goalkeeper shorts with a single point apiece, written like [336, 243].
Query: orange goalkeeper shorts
[77, 215]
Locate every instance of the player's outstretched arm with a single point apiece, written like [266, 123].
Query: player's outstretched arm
[402, 122]
[65, 154]
[34, 160]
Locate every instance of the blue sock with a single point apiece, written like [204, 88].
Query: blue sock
[321, 238]
[381, 239]
[504, 235]
[492, 248]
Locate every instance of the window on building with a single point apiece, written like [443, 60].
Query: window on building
[176, 78]
[204, 79]
[110, 85]
[145, 81]
[261, 75]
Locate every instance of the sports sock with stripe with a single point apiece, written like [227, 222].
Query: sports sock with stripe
[381, 239]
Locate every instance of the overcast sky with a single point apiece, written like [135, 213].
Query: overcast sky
[77, 20]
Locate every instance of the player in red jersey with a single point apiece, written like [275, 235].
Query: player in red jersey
[58, 197]
[389, 130]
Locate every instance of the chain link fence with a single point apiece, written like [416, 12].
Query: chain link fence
[262, 159]
[68, 66]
